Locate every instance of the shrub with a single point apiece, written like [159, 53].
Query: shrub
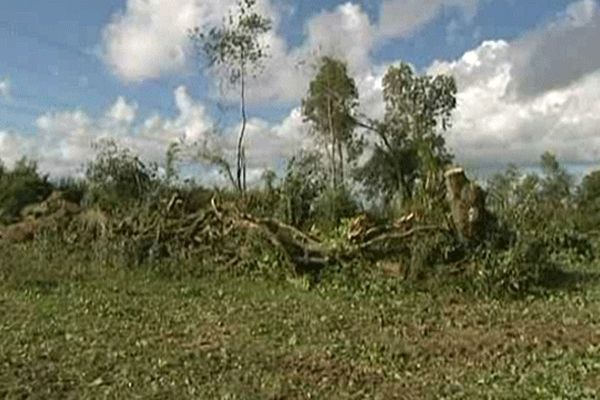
[118, 178]
[304, 182]
[20, 187]
[332, 206]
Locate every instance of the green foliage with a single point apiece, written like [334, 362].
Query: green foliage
[75, 328]
[332, 206]
[303, 184]
[409, 148]
[72, 189]
[235, 46]
[519, 269]
[21, 186]
[539, 228]
[119, 179]
[330, 106]
[588, 204]
[557, 183]
[215, 158]
[236, 50]
[133, 215]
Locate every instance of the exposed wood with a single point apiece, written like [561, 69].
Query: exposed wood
[467, 204]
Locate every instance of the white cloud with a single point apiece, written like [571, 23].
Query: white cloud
[516, 100]
[403, 18]
[540, 92]
[270, 144]
[122, 112]
[492, 128]
[560, 53]
[11, 144]
[150, 38]
[5, 88]
[63, 143]
[345, 32]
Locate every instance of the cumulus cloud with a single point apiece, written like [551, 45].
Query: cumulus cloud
[150, 37]
[269, 144]
[122, 112]
[345, 32]
[516, 99]
[560, 53]
[492, 129]
[402, 18]
[11, 145]
[5, 88]
[540, 92]
[63, 142]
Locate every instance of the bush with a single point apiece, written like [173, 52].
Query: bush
[304, 182]
[518, 269]
[118, 178]
[538, 233]
[332, 206]
[20, 187]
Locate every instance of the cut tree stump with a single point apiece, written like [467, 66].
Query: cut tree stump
[467, 203]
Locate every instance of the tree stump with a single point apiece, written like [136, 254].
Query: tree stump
[467, 203]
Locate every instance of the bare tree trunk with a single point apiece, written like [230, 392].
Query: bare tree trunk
[244, 187]
[341, 157]
[333, 146]
[241, 162]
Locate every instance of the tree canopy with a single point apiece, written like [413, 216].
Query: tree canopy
[329, 106]
[408, 144]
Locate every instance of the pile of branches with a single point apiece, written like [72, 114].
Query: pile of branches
[219, 231]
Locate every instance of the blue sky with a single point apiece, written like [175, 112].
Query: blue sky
[63, 57]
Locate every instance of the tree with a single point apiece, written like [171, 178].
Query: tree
[303, 184]
[236, 50]
[408, 146]
[118, 178]
[589, 190]
[588, 202]
[557, 183]
[329, 106]
[19, 187]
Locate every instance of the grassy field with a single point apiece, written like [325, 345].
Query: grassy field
[70, 329]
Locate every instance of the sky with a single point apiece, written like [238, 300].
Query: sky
[75, 72]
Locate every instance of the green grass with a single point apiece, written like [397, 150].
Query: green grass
[72, 329]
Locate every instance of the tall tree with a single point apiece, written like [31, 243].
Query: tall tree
[408, 144]
[588, 202]
[557, 183]
[329, 106]
[235, 48]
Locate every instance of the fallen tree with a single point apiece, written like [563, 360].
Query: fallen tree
[219, 229]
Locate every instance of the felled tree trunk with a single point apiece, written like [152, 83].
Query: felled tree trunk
[467, 203]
